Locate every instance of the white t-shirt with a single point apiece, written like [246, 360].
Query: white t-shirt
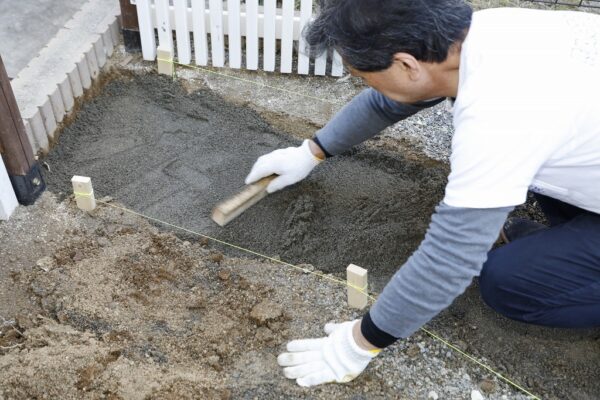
[527, 114]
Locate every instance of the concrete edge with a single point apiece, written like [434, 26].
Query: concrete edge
[47, 88]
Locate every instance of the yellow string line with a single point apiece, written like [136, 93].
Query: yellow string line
[321, 275]
[308, 96]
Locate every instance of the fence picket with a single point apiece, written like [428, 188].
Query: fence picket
[269, 36]
[165, 34]
[146, 29]
[184, 52]
[337, 67]
[252, 34]
[234, 34]
[199, 24]
[303, 55]
[216, 33]
[279, 28]
[321, 64]
[287, 35]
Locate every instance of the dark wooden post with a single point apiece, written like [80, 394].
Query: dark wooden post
[130, 26]
[23, 170]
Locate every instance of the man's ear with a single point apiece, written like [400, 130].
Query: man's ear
[409, 64]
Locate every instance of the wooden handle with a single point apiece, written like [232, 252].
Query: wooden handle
[227, 210]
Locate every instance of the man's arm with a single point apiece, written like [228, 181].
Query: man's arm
[363, 117]
[452, 253]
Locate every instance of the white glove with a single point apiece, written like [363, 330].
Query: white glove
[292, 164]
[335, 358]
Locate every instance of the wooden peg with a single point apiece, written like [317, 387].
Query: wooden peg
[357, 277]
[84, 193]
[164, 58]
[234, 206]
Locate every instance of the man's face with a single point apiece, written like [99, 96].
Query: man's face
[405, 81]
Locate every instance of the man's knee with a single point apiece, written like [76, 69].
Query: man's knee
[495, 277]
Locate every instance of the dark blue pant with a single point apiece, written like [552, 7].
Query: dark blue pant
[551, 277]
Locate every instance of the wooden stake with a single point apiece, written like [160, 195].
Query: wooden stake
[84, 193]
[164, 58]
[357, 277]
[234, 206]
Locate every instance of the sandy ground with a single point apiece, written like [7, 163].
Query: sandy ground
[116, 308]
[105, 305]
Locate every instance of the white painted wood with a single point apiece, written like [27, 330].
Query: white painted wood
[225, 28]
[8, 200]
[252, 34]
[100, 52]
[146, 29]
[287, 36]
[75, 81]
[234, 35]
[48, 118]
[303, 55]
[337, 66]
[39, 132]
[109, 46]
[163, 24]
[216, 33]
[92, 61]
[29, 133]
[58, 107]
[357, 277]
[66, 93]
[321, 64]
[269, 36]
[184, 51]
[199, 29]
[84, 72]
[115, 31]
[84, 193]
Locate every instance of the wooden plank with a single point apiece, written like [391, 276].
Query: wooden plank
[129, 16]
[14, 144]
[234, 35]
[17, 162]
[357, 279]
[199, 26]
[321, 64]
[252, 34]
[227, 210]
[146, 29]
[163, 22]
[8, 199]
[84, 193]
[287, 36]
[216, 33]
[269, 36]
[184, 50]
[337, 66]
[303, 54]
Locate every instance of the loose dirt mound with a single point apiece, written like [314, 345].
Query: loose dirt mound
[121, 310]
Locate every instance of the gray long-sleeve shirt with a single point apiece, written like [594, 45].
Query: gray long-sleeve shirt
[457, 240]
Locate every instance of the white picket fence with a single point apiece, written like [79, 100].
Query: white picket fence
[279, 28]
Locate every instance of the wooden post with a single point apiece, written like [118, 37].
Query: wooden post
[23, 170]
[357, 278]
[130, 26]
[84, 193]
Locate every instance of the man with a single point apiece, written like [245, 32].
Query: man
[526, 117]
